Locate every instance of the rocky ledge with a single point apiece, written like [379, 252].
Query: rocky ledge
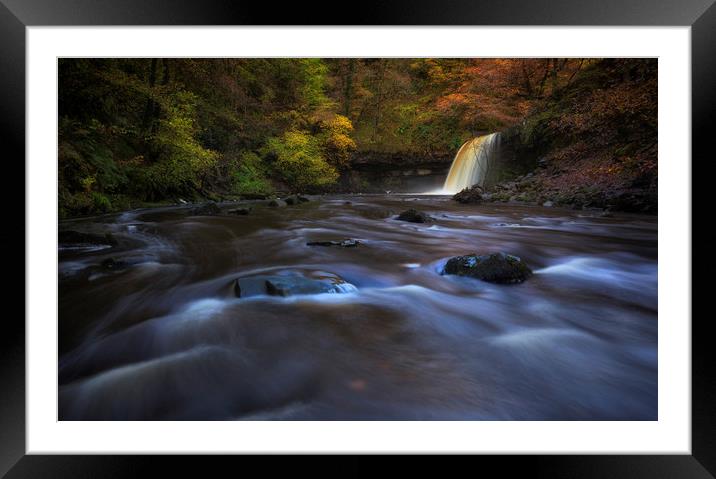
[537, 189]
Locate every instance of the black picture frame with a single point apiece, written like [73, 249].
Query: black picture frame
[16, 15]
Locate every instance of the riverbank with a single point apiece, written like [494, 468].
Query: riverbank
[534, 189]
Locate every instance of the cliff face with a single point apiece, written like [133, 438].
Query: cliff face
[374, 172]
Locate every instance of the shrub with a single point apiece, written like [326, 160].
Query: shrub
[100, 203]
[248, 175]
[336, 140]
[299, 161]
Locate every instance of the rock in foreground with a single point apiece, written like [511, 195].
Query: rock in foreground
[414, 216]
[495, 268]
[469, 195]
[290, 285]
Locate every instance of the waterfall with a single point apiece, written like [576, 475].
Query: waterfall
[472, 163]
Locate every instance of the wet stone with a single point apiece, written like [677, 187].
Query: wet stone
[346, 243]
[291, 285]
[469, 195]
[414, 216]
[494, 268]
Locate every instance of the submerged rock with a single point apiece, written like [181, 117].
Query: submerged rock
[209, 208]
[240, 211]
[469, 195]
[346, 243]
[373, 212]
[322, 243]
[295, 199]
[290, 285]
[113, 265]
[76, 237]
[276, 203]
[414, 216]
[495, 268]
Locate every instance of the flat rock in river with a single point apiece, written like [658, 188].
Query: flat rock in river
[346, 243]
[495, 268]
[291, 284]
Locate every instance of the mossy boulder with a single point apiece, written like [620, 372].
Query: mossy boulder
[494, 268]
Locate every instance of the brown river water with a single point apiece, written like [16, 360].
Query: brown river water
[164, 337]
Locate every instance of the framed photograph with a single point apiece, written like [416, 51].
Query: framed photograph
[418, 231]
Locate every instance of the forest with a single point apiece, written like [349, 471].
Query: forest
[142, 132]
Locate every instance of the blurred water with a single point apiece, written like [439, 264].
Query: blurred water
[165, 337]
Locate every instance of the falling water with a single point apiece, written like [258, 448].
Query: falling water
[472, 162]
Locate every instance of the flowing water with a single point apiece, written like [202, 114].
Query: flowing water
[165, 337]
[472, 163]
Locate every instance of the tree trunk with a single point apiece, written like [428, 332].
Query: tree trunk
[378, 98]
[348, 88]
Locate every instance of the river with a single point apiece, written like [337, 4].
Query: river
[161, 335]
